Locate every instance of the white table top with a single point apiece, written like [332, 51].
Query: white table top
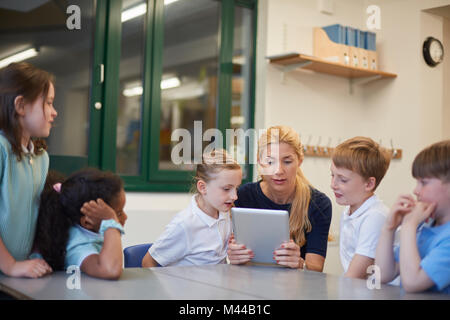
[210, 282]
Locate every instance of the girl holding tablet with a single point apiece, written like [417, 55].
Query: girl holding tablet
[284, 187]
[199, 234]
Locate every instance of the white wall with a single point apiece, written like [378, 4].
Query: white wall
[446, 80]
[409, 109]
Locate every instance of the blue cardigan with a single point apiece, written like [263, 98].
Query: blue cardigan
[21, 184]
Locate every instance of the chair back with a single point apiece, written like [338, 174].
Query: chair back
[133, 255]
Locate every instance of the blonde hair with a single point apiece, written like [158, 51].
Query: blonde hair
[298, 218]
[363, 156]
[433, 162]
[212, 163]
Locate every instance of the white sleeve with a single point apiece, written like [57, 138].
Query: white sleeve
[171, 246]
[369, 233]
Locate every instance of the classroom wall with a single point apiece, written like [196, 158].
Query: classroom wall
[409, 110]
[446, 79]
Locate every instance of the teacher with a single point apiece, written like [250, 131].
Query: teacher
[284, 187]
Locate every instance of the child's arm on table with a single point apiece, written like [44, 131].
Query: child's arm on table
[108, 263]
[33, 268]
[358, 267]
[148, 261]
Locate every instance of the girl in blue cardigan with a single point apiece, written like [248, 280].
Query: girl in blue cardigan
[26, 112]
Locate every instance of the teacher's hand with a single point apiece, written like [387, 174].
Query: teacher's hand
[238, 253]
[288, 254]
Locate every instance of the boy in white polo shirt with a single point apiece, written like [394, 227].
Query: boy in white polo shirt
[199, 234]
[358, 166]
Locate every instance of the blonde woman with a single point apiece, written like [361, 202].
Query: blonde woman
[284, 187]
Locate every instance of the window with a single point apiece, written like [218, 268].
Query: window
[183, 65]
[135, 73]
[68, 54]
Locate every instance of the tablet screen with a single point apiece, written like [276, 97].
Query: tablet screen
[260, 230]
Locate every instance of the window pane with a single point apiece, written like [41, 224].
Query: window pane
[44, 25]
[128, 141]
[190, 68]
[242, 78]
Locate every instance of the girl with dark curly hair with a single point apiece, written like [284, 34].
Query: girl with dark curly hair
[80, 222]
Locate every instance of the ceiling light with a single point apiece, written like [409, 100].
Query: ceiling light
[170, 83]
[166, 2]
[19, 56]
[133, 91]
[134, 12]
[139, 10]
[137, 90]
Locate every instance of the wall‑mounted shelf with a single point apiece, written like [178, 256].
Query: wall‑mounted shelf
[291, 61]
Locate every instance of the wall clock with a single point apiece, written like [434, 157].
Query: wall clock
[433, 51]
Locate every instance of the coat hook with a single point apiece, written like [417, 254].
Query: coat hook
[325, 150]
[305, 146]
[394, 151]
[318, 144]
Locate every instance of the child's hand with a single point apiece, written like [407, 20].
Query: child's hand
[34, 268]
[403, 206]
[419, 213]
[238, 253]
[289, 255]
[98, 210]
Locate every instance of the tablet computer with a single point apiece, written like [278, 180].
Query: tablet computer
[260, 230]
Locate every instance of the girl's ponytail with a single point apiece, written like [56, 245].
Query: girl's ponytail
[52, 230]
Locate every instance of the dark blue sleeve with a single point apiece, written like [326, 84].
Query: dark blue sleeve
[319, 214]
[246, 196]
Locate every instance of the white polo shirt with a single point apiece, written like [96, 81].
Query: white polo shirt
[193, 238]
[360, 231]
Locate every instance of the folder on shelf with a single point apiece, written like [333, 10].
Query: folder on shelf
[335, 32]
[346, 45]
[371, 47]
[350, 36]
[370, 41]
[358, 38]
[329, 50]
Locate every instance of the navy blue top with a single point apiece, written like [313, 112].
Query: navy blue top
[250, 195]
